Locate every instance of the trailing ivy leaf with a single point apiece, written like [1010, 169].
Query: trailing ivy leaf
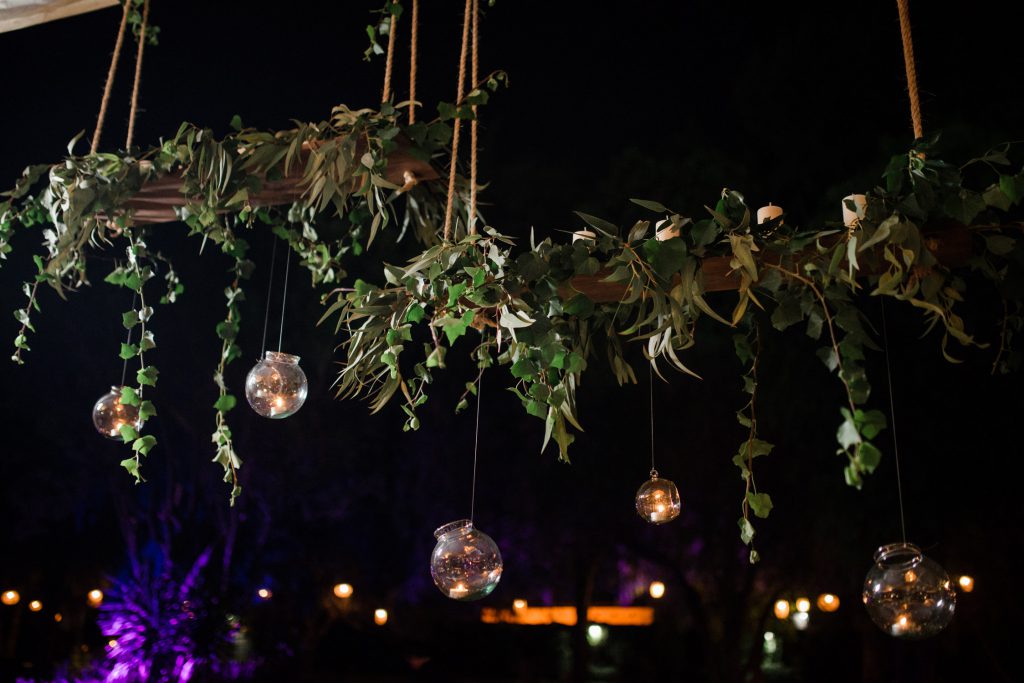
[146, 411]
[129, 351]
[130, 319]
[147, 376]
[129, 397]
[760, 503]
[132, 465]
[128, 433]
[225, 403]
[746, 530]
[144, 445]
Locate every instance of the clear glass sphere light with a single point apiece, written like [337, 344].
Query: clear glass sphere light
[657, 501]
[109, 414]
[906, 594]
[276, 386]
[466, 563]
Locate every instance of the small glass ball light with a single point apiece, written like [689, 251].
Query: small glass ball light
[906, 594]
[657, 501]
[109, 414]
[276, 386]
[466, 563]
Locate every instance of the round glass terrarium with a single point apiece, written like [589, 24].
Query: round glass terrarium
[906, 594]
[466, 563]
[109, 414]
[657, 501]
[276, 386]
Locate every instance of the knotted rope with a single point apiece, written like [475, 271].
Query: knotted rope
[911, 67]
[110, 80]
[466, 19]
[138, 75]
[389, 63]
[413, 47]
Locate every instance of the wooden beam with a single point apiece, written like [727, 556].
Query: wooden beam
[950, 243]
[156, 201]
[15, 14]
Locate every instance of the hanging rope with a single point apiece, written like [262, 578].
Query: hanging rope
[138, 75]
[389, 63]
[650, 383]
[475, 76]
[466, 18]
[110, 80]
[270, 290]
[908, 62]
[413, 45]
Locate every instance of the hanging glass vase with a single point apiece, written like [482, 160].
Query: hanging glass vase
[466, 563]
[657, 501]
[109, 414]
[276, 386]
[906, 594]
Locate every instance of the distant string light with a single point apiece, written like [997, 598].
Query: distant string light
[380, 616]
[518, 604]
[35, 606]
[343, 591]
[966, 583]
[781, 609]
[95, 597]
[58, 617]
[803, 605]
[657, 590]
[10, 598]
[265, 593]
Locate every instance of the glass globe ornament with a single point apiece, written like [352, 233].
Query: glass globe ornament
[657, 501]
[276, 387]
[109, 414]
[466, 563]
[906, 594]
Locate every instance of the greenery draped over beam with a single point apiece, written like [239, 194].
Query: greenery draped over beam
[518, 307]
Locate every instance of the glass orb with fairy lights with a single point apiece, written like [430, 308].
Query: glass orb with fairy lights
[657, 501]
[276, 387]
[908, 595]
[109, 414]
[466, 563]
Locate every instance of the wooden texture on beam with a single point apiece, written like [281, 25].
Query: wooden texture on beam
[951, 245]
[157, 200]
[15, 14]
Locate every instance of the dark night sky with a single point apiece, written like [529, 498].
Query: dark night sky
[668, 101]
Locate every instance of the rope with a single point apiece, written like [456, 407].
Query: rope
[908, 62]
[138, 75]
[270, 290]
[413, 44]
[472, 126]
[390, 59]
[476, 442]
[284, 298]
[892, 414]
[455, 133]
[110, 80]
[650, 373]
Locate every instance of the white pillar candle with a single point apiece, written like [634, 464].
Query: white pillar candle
[584, 235]
[767, 213]
[852, 218]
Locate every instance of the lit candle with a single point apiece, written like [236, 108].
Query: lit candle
[851, 217]
[767, 213]
[459, 590]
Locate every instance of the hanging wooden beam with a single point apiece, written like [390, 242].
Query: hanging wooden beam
[950, 243]
[15, 14]
[157, 200]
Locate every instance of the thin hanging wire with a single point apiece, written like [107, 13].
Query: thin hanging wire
[284, 299]
[270, 289]
[128, 341]
[476, 443]
[650, 373]
[892, 416]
